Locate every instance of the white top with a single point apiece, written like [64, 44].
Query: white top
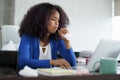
[46, 54]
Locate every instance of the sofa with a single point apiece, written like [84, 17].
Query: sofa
[8, 53]
[10, 37]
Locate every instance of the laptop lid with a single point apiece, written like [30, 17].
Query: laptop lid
[105, 48]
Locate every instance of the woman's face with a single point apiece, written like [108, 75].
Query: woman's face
[53, 22]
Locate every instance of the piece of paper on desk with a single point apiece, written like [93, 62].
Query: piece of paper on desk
[82, 70]
[28, 72]
[118, 70]
[56, 71]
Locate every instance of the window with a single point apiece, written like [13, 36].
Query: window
[116, 28]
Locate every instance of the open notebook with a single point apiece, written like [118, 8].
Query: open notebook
[56, 71]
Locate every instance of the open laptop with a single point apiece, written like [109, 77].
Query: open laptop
[105, 48]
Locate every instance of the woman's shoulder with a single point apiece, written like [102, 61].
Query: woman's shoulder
[25, 36]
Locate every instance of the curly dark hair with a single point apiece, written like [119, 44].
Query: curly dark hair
[35, 21]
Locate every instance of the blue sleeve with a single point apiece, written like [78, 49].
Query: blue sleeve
[67, 54]
[24, 56]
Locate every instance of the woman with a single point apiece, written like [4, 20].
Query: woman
[42, 36]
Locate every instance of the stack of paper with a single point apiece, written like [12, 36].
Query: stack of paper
[56, 71]
[28, 72]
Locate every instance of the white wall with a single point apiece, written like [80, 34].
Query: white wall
[90, 20]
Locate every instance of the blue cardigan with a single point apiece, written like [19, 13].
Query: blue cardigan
[29, 53]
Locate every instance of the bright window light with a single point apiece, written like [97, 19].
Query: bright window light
[116, 28]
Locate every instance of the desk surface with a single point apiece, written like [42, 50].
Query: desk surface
[10, 74]
[75, 77]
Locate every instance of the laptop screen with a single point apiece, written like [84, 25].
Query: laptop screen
[105, 48]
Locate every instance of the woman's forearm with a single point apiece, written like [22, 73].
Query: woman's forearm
[67, 43]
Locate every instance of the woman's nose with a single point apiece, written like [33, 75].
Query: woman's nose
[57, 22]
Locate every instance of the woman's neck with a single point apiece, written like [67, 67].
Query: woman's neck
[44, 42]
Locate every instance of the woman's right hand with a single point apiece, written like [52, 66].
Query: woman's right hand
[61, 63]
